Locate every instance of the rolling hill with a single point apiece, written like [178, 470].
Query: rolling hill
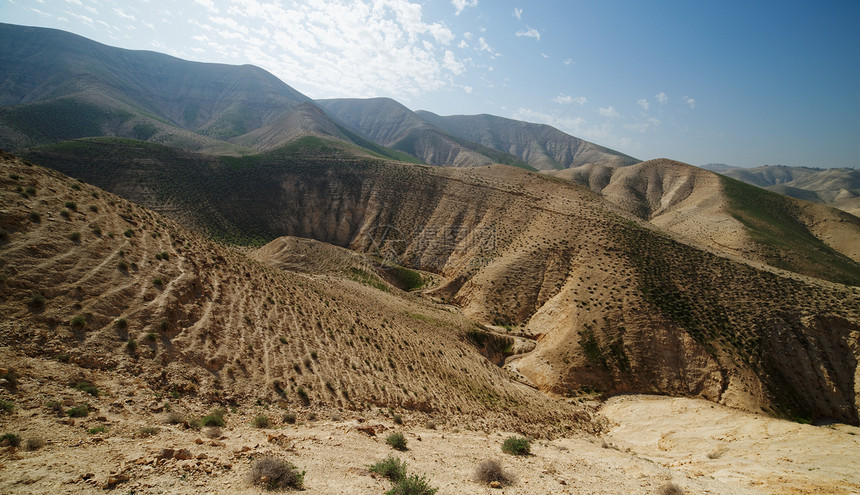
[836, 187]
[614, 304]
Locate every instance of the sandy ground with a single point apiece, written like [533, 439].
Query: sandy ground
[693, 444]
[746, 450]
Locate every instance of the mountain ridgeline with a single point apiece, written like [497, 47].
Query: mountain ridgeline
[601, 275]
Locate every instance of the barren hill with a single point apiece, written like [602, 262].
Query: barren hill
[837, 187]
[615, 305]
[541, 146]
[728, 216]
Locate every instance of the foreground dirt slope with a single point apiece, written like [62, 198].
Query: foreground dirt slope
[106, 286]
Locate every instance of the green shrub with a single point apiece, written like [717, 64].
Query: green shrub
[31, 191]
[516, 446]
[671, 489]
[75, 236]
[94, 208]
[158, 282]
[121, 323]
[391, 467]
[128, 233]
[72, 205]
[35, 217]
[163, 325]
[262, 421]
[6, 406]
[65, 214]
[275, 474]
[398, 419]
[10, 439]
[289, 418]
[147, 431]
[131, 345]
[36, 301]
[122, 266]
[4, 235]
[81, 411]
[396, 441]
[303, 396]
[97, 429]
[34, 443]
[78, 321]
[214, 418]
[151, 336]
[413, 485]
[86, 387]
[97, 230]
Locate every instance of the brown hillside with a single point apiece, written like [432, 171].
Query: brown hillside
[113, 290]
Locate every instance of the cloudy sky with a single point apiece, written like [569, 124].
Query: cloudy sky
[739, 82]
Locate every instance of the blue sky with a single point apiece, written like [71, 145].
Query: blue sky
[740, 82]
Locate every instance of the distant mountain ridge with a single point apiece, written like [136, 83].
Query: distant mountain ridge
[836, 187]
[57, 86]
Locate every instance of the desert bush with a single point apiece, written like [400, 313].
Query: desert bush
[273, 474]
[430, 424]
[157, 281]
[262, 421]
[396, 441]
[303, 396]
[97, 429]
[78, 321]
[4, 235]
[175, 418]
[151, 336]
[122, 265]
[87, 387]
[65, 214]
[34, 443]
[55, 407]
[31, 191]
[398, 419]
[97, 230]
[128, 233]
[491, 470]
[289, 418]
[214, 418]
[81, 411]
[121, 323]
[516, 446]
[147, 431]
[72, 205]
[10, 439]
[214, 432]
[35, 217]
[75, 236]
[412, 485]
[6, 406]
[391, 467]
[94, 208]
[131, 345]
[36, 301]
[671, 489]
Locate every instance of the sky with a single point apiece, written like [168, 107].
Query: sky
[746, 83]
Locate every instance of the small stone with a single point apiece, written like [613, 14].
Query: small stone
[165, 454]
[114, 480]
[495, 484]
[199, 441]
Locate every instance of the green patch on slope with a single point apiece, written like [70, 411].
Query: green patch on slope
[784, 240]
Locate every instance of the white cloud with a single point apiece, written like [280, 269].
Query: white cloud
[208, 4]
[577, 126]
[462, 45]
[643, 127]
[661, 98]
[122, 14]
[359, 48]
[518, 13]
[74, 2]
[529, 33]
[570, 100]
[568, 61]
[645, 104]
[609, 112]
[460, 5]
[544, 55]
[690, 102]
[451, 63]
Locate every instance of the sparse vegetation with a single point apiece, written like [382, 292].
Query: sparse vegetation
[396, 441]
[214, 418]
[87, 387]
[35, 217]
[391, 467]
[147, 431]
[75, 236]
[214, 432]
[128, 233]
[491, 470]
[80, 411]
[36, 301]
[97, 429]
[34, 443]
[670, 489]
[79, 322]
[516, 446]
[6, 406]
[10, 439]
[262, 421]
[412, 485]
[273, 473]
[72, 205]
[289, 418]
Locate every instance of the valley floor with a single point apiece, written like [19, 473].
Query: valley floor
[650, 442]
